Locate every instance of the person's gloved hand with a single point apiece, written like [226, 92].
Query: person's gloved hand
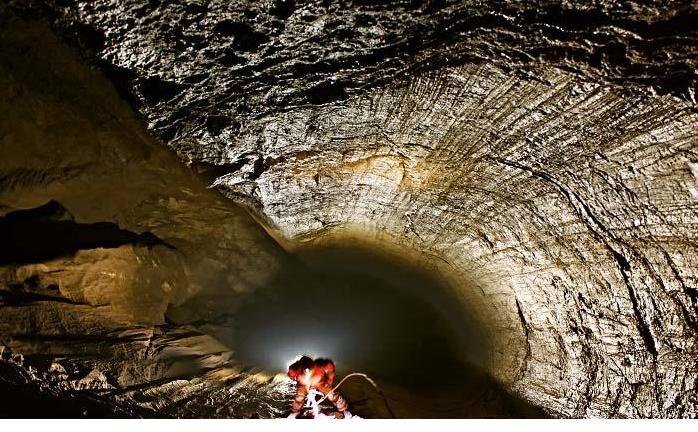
[292, 415]
[347, 414]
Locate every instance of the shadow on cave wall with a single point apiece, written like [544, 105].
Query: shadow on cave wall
[49, 231]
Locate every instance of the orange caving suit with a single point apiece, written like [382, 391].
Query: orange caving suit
[317, 374]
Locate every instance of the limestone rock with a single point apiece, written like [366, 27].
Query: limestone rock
[541, 155]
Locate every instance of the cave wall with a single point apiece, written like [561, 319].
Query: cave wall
[104, 231]
[566, 202]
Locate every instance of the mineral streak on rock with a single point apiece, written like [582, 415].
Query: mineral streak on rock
[543, 152]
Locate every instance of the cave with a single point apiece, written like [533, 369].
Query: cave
[489, 209]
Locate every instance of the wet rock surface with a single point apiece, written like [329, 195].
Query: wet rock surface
[542, 156]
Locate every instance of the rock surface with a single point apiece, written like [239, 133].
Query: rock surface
[85, 322]
[544, 156]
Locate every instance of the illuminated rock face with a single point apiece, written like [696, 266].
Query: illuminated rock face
[566, 202]
[544, 162]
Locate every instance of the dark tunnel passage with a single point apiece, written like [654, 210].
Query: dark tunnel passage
[353, 304]
[374, 312]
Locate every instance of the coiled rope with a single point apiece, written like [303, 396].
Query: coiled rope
[367, 378]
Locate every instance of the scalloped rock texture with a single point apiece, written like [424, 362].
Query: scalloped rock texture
[547, 153]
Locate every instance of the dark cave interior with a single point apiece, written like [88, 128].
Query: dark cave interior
[489, 208]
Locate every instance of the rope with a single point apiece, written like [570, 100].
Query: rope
[373, 383]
